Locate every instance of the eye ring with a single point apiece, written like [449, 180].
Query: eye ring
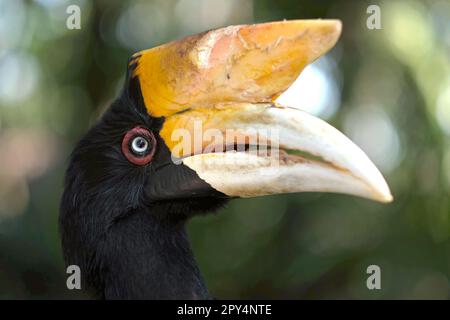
[139, 145]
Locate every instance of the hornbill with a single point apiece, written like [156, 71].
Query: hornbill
[180, 141]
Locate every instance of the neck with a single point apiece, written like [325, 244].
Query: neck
[149, 258]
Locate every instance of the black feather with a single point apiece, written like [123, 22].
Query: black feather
[127, 245]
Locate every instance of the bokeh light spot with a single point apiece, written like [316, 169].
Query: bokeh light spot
[142, 25]
[372, 130]
[315, 91]
[200, 15]
[19, 76]
[443, 109]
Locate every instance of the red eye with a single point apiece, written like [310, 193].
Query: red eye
[139, 145]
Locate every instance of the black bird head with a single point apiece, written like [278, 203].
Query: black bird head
[195, 125]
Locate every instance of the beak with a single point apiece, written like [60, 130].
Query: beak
[216, 92]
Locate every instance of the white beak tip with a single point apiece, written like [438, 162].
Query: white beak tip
[381, 192]
[385, 197]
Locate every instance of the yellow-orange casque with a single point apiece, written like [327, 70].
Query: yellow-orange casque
[218, 70]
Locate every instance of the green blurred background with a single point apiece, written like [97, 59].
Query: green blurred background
[388, 90]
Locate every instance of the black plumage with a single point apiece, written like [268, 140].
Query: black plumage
[126, 244]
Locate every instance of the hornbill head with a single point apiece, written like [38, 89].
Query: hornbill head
[197, 124]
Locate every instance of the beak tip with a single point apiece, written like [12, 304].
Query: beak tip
[386, 198]
[383, 194]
